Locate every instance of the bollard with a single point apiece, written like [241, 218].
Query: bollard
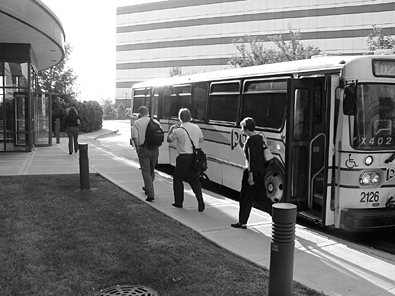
[84, 166]
[57, 130]
[282, 249]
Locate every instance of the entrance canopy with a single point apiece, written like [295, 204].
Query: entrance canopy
[32, 22]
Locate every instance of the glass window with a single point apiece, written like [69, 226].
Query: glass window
[301, 116]
[1, 74]
[180, 98]
[166, 103]
[225, 87]
[16, 74]
[266, 85]
[138, 99]
[199, 101]
[267, 109]
[155, 102]
[137, 103]
[317, 102]
[224, 107]
[374, 123]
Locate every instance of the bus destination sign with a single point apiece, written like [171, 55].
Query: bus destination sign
[384, 68]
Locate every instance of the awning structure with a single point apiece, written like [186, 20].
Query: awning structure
[32, 22]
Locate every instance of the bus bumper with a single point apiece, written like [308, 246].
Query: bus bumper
[367, 219]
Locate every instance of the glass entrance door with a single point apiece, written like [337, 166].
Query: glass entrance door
[42, 120]
[13, 118]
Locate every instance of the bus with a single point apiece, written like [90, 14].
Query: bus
[329, 121]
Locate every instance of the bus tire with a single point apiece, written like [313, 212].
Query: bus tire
[274, 181]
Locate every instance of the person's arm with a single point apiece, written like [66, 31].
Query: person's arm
[170, 136]
[252, 161]
[201, 138]
[135, 137]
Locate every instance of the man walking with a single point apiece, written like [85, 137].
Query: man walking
[185, 161]
[148, 156]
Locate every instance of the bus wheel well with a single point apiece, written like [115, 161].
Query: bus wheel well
[272, 183]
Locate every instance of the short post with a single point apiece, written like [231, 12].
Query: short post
[84, 166]
[282, 249]
[57, 130]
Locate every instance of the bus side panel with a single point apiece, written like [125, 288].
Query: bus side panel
[164, 150]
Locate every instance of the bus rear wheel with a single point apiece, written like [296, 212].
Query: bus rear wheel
[274, 185]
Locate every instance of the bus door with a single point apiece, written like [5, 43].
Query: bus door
[306, 146]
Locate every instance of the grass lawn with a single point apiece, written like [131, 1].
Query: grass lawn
[58, 240]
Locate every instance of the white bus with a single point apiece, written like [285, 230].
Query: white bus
[329, 121]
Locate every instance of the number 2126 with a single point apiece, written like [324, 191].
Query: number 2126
[370, 196]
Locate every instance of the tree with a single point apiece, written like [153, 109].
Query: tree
[376, 40]
[60, 80]
[175, 71]
[92, 115]
[257, 54]
[108, 109]
[120, 112]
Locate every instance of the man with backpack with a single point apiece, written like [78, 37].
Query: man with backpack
[185, 169]
[147, 136]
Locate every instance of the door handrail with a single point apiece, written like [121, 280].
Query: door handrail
[310, 180]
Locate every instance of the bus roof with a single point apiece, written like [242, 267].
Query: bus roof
[317, 63]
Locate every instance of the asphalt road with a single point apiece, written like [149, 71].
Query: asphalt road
[119, 141]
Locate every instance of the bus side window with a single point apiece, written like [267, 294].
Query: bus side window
[224, 101]
[166, 103]
[267, 109]
[155, 103]
[224, 107]
[175, 105]
[198, 109]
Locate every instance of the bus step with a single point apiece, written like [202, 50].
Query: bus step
[311, 215]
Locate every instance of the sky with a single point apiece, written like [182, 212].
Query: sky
[90, 29]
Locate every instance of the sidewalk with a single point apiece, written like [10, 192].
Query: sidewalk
[323, 263]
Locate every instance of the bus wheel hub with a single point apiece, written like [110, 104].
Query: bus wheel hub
[274, 187]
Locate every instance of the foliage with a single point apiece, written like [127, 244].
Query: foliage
[60, 80]
[376, 40]
[121, 112]
[108, 109]
[175, 71]
[256, 53]
[92, 115]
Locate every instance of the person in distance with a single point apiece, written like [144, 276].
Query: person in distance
[73, 121]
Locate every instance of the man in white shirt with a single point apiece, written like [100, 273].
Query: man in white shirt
[148, 156]
[185, 161]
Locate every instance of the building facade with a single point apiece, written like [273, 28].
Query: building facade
[197, 36]
[31, 39]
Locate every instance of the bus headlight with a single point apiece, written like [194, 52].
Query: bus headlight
[368, 160]
[374, 178]
[369, 178]
[364, 179]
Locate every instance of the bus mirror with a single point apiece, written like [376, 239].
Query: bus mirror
[349, 99]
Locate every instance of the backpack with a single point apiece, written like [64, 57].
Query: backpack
[154, 135]
[200, 159]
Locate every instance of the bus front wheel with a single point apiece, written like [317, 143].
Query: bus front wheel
[274, 184]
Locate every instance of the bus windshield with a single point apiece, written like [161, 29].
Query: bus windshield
[374, 123]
